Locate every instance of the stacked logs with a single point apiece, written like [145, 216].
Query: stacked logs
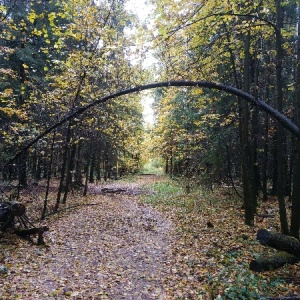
[11, 210]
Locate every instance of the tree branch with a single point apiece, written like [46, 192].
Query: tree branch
[223, 15]
[286, 122]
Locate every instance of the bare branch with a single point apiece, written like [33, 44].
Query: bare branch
[248, 16]
[286, 122]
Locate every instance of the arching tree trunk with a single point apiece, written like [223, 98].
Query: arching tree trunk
[283, 120]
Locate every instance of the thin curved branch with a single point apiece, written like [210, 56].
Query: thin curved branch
[225, 14]
[286, 122]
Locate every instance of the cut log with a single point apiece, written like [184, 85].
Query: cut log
[17, 209]
[279, 241]
[8, 211]
[272, 262]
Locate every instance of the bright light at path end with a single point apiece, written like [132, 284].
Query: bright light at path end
[143, 9]
[147, 102]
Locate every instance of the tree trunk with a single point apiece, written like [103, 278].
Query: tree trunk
[48, 177]
[295, 213]
[25, 232]
[9, 211]
[279, 241]
[63, 167]
[78, 174]
[280, 130]
[245, 146]
[86, 181]
[23, 170]
[69, 168]
[272, 261]
[92, 167]
[265, 161]
[289, 251]
[98, 168]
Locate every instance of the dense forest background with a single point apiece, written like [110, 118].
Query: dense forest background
[57, 56]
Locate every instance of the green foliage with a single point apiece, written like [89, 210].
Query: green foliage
[57, 56]
[243, 285]
[153, 166]
[165, 192]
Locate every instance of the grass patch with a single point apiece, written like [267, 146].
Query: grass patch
[153, 166]
[164, 192]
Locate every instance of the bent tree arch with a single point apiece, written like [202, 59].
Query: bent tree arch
[286, 122]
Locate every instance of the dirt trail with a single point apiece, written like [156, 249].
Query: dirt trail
[115, 249]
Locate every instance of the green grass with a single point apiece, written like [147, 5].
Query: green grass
[165, 192]
[153, 166]
[169, 192]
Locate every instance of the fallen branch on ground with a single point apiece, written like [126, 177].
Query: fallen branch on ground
[289, 248]
[279, 241]
[25, 232]
[272, 262]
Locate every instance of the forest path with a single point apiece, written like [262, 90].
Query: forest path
[116, 249]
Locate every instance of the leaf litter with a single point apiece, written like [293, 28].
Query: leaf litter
[116, 246]
[115, 250]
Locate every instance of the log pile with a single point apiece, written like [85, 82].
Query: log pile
[289, 251]
[8, 211]
[11, 210]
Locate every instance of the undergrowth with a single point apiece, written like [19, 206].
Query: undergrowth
[212, 247]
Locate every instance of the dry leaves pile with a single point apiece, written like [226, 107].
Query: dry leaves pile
[116, 247]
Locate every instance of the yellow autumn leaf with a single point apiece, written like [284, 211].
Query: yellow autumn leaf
[32, 16]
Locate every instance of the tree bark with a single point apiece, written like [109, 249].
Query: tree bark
[69, 168]
[8, 212]
[63, 166]
[92, 167]
[48, 177]
[279, 241]
[265, 162]
[272, 262]
[280, 130]
[295, 213]
[245, 145]
[289, 251]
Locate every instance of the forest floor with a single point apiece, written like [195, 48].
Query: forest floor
[122, 242]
